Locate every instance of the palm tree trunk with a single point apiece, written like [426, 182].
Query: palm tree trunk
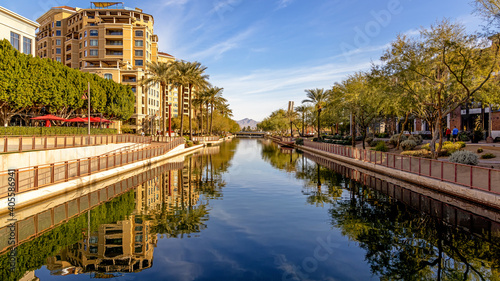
[208, 117]
[201, 118]
[211, 118]
[181, 108]
[190, 117]
[319, 134]
[164, 102]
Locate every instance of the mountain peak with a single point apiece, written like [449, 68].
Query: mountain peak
[247, 122]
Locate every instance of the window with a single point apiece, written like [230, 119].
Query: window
[139, 43]
[85, 33]
[139, 53]
[80, 45]
[139, 33]
[133, 89]
[80, 55]
[58, 50]
[80, 36]
[58, 23]
[94, 42]
[85, 53]
[14, 40]
[138, 62]
[27, 46]
[94, 32]
[85, 43]
[58, 59]
[94, 52]
[58, 42]
[108, 76]
[58, 33]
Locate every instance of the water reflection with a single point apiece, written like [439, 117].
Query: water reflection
[114, 230]
[406, 235]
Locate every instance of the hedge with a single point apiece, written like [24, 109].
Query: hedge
[52, 131]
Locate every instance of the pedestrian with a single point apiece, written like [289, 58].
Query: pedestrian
[448, 133]
[455, 134]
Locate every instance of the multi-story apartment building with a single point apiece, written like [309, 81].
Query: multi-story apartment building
[19, 30]
[109, 40]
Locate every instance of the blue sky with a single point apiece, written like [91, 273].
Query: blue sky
[267, 52]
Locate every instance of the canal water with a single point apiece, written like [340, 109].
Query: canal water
[250, 210]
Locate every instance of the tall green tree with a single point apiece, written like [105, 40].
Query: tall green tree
[441, 70]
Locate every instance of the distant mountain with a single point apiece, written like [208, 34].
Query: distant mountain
[247, 122]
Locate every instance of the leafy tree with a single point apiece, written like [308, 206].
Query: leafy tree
[441, 70]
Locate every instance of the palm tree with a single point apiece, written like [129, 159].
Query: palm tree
[159, 72]
[302, 109]
[198, 80]
[181, 73]
[225, 110]
[318, 97]
[215, 98]
[201, 100]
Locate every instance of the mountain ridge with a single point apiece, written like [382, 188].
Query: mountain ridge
[245, 122]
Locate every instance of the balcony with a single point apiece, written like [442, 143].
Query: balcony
[114, 53]
[114, 43]
[114, 32]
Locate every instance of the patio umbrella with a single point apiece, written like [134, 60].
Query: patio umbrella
[76, 119]
[92, 119]
[48, 118]
[102, 120]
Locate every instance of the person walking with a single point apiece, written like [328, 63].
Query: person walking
[455, 134]
[448, 133]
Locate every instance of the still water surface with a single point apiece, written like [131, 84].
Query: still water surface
[248, 210]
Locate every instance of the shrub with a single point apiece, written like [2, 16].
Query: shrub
[375, 142]
[417, 153]
[368, 140]
[196, 142]
[488, 156]
[382, 135]
[480, 150]
[464, 157]
[461, 143]
[381, 146]
[299, 141]
[464, 136]
[359, 138]
[394, 139]
[189, 143]
[416, 138]
[408, 145]
[51, 131]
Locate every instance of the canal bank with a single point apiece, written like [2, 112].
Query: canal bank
[27, 198]
[473, 195]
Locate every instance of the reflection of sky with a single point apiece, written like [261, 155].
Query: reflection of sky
[262, 229]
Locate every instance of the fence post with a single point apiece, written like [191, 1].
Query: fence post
[20, 144]
[35, 184]
[33, 143]
[78, 164]
[66, 170]
[52, 172]
[17, 181]
[98, 162]
[90, 166]
[5, 144]
[55, 141]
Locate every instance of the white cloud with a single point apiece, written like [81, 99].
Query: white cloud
[217, 50]
[284, 3]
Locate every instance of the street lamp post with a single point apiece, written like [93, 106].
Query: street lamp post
[88, 105]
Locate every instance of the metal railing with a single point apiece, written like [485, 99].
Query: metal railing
[27, 143]
[204, 139]
[47, 219]
[466, 175]
[32, 178]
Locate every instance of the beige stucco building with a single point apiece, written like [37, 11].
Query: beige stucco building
[19, 30]
[113, 42]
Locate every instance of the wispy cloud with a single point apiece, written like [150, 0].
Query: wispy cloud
[284, 3]
[217, 50]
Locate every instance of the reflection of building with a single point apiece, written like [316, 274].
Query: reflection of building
[19, 30]
[125, 246]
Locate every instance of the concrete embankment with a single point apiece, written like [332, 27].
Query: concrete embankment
[36, 196]
[41, 157]
[473, 195]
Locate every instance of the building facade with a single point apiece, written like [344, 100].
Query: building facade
[111, 41]
[20, 31]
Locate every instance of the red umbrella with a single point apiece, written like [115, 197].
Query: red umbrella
[92, 119]
[100, 120]
[49, 117]
[76, 119]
